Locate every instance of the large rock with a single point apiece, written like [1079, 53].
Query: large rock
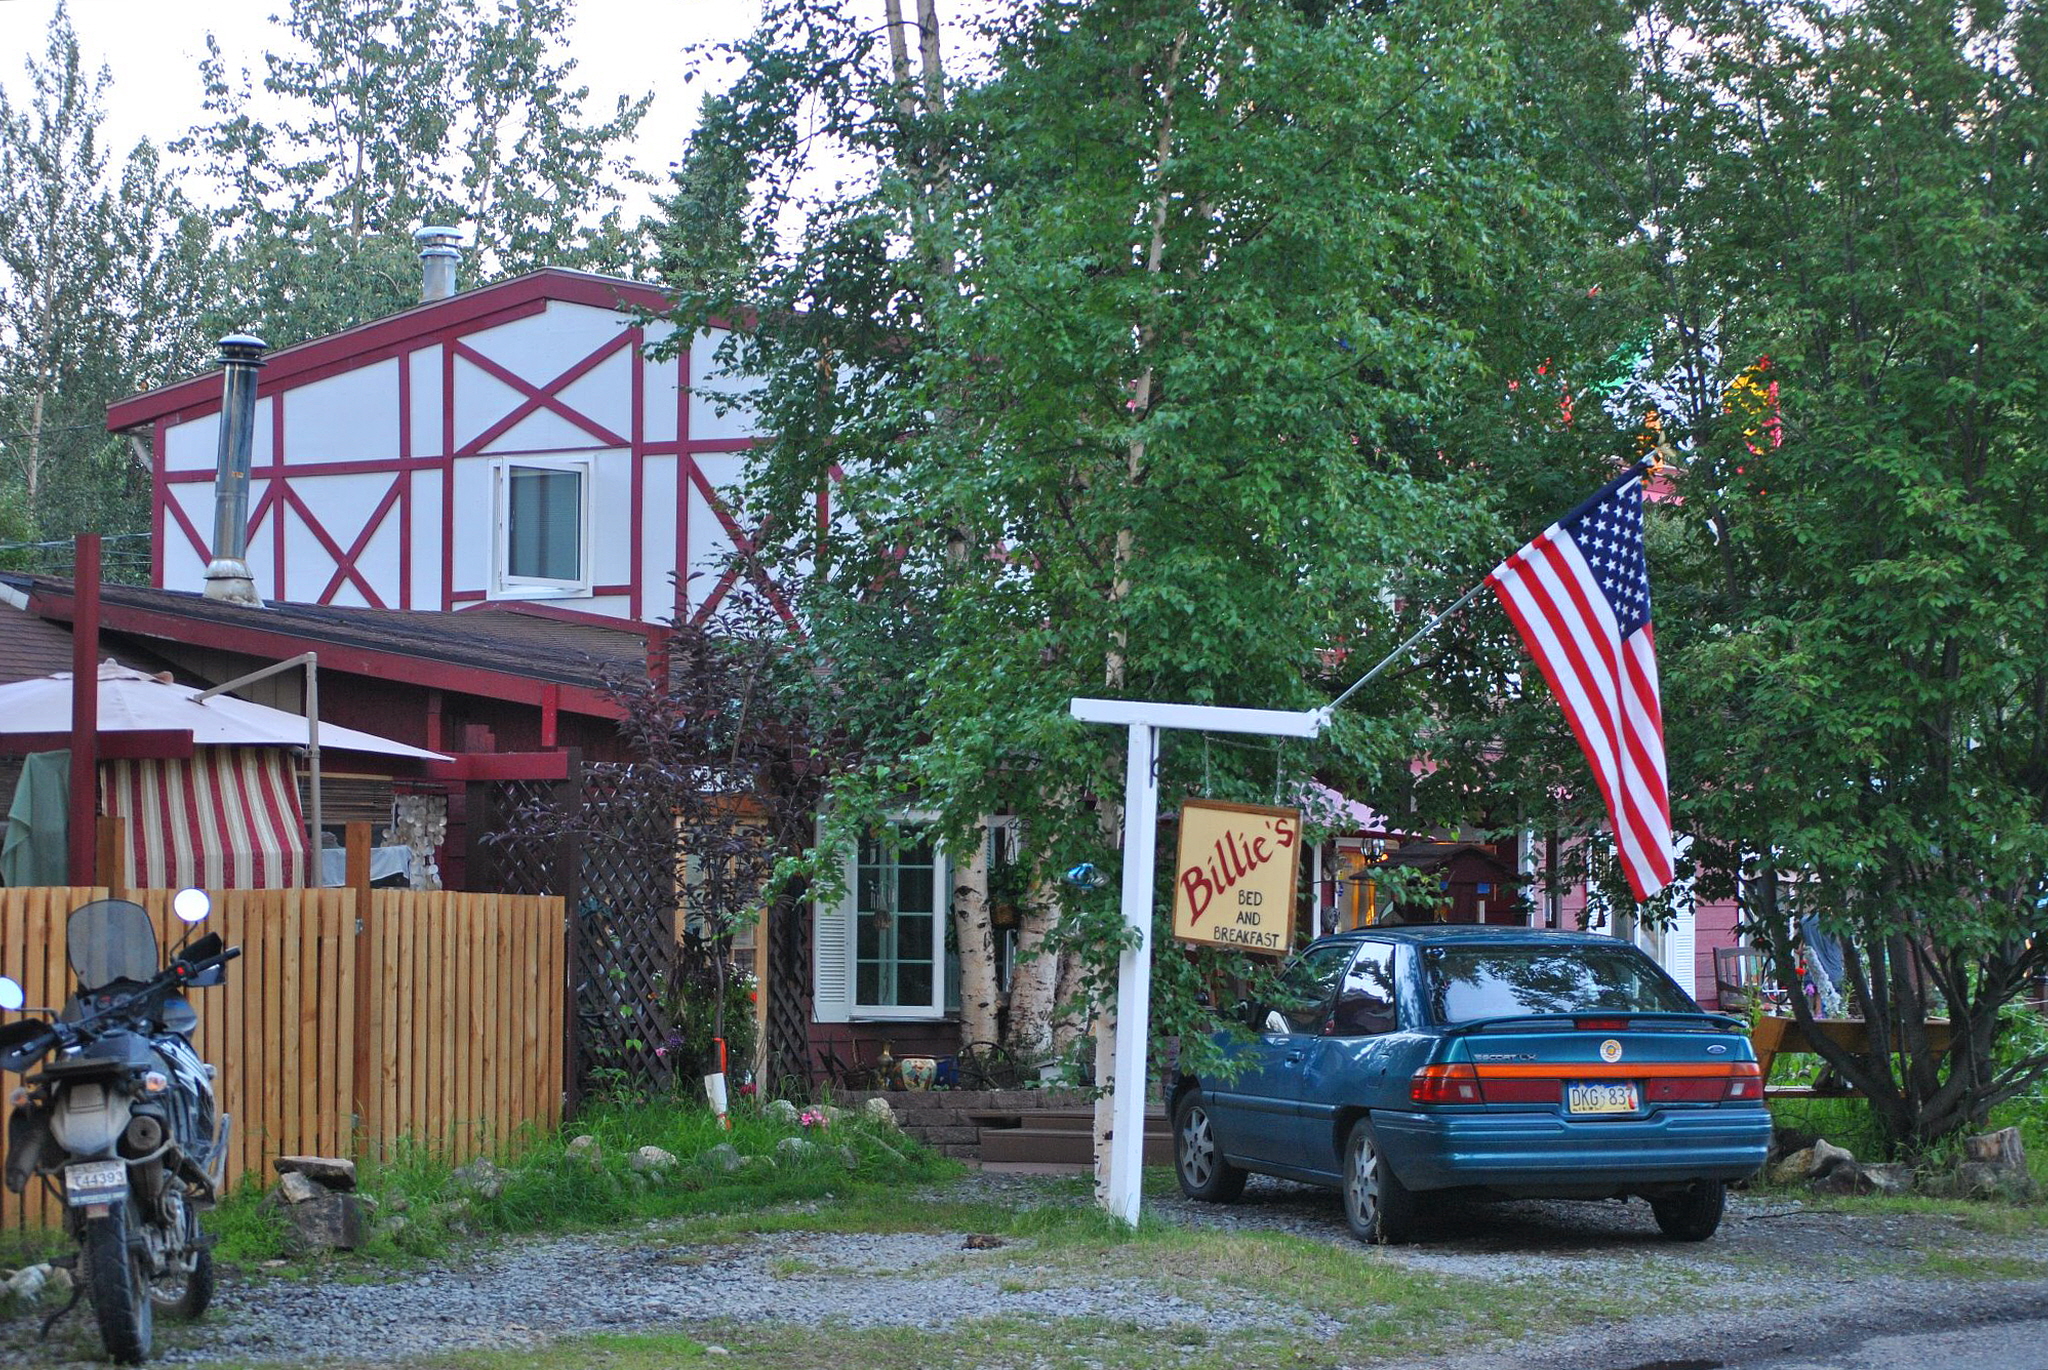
[481, 1177]
[877, 1110]
[296, 1188]
[1814, 1162]
[794, 1148]
[781, 1111]
[726, 1157]
[585, 1148]
[332, 1222]
[1827, 1156]
[652, 1158]
[1853, 1177]
[329, 1172]
[1795, 1168]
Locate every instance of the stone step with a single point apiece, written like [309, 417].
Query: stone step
[1060, 1146]
[1058, 1119]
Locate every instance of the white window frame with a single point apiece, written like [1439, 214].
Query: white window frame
[505, 585]
[836, 965]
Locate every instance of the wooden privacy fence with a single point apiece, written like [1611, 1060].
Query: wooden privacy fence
[434, 1016]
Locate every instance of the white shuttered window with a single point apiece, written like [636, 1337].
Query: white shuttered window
[881, 949]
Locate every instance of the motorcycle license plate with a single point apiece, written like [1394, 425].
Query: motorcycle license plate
[1603, 1098]
[95, 1182]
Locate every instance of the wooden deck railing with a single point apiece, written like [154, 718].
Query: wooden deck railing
[344, 1027]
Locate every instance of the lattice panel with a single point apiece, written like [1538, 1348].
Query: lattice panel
[626, 954]
[789, 1004]
[625, 963]
[523, 867]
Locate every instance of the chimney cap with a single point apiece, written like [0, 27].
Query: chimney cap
[242, 347]
[438, 239]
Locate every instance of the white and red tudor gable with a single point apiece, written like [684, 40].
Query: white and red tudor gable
[510, 442]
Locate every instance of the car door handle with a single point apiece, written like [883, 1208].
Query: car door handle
[1294, 1058]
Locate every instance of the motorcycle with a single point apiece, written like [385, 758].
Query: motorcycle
[119, 1122]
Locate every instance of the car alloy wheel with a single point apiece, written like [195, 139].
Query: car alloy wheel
[1376, 1204]
[1198, 1159]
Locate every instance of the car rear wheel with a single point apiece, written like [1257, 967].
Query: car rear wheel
[1693, 1215]
[1197, 1159]
[1376, 1204]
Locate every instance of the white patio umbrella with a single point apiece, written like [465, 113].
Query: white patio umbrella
[133, 701]
[170, 825]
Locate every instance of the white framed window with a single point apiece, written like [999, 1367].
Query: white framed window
[542, 538]
[881, 951]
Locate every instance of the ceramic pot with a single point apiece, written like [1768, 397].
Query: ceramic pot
[918, 1071]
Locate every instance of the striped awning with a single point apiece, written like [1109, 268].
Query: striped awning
[227, 818]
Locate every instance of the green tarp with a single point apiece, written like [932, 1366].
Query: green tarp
[36, 852]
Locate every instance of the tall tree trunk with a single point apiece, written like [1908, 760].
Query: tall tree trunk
[975, 936]
[1105, 1017]
[32, 476]
[1034, 980]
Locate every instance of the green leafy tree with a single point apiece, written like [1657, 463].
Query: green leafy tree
[1136, 367]
[399, 113]
[1842, 219]
[101, 272]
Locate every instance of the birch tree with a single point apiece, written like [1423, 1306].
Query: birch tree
[1138, 364]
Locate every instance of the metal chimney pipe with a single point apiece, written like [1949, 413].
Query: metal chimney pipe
[227, 575]
[440, 252]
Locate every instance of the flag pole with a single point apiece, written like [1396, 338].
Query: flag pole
[1647, 465]
[1391, 657]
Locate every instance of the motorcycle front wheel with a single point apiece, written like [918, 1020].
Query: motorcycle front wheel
[119, 1288]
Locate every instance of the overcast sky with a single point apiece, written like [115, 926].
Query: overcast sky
[152, 49]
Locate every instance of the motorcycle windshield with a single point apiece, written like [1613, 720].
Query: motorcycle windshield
[109, 940]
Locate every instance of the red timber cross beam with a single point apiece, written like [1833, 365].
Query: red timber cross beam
[381, 464]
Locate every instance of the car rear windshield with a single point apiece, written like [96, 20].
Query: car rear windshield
[1468, 983]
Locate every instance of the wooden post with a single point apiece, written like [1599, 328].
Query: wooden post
[568, 870]
[85, 708]
[760, 1061]
[108, 863]
[363, 1068]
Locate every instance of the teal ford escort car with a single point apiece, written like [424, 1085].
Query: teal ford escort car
[1502, 1062]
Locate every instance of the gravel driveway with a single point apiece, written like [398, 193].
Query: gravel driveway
[1778, 1273]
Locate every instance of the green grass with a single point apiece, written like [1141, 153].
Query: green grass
[545, 1189]
[1970, 1265]
[1848, 1123]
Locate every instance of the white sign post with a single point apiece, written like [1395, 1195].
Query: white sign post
[1134, 967]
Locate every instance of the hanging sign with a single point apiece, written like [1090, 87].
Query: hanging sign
[1233, 885]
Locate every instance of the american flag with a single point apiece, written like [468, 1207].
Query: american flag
[1580, 597]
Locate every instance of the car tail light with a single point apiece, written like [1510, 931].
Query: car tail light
[1602, 1024]
[1745, 1081]
[1458, 1084]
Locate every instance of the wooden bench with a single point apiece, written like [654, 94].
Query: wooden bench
[1773, 1036]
